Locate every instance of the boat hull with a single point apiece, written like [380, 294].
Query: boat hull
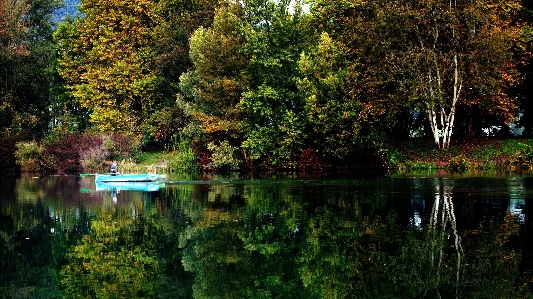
[124, 178]
[137, 186]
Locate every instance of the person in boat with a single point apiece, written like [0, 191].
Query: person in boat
[114, 168]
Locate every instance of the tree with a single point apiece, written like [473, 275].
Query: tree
[178, 20]
[25, 51]
[426, 55]
[215, 83]
[334, 122]
[272, 105]
[109, 62]
[65, 111]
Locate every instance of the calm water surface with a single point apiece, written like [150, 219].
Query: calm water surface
[282, 237]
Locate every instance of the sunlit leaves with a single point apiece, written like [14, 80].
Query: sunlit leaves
[215, 83]
[108, 64]
[333, 118]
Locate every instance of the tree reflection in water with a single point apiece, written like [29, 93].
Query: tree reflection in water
[269, 239]
[438, 227]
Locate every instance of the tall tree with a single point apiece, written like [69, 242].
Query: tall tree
[334, 122]
[65, 111]
[109, 64]
[178, 20]
[273, 106]
[216, 81]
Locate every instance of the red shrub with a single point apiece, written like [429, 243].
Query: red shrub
[123, 147]
[203, 154]
[309, 160]
[62, 156]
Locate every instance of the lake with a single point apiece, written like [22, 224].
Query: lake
[271, 236]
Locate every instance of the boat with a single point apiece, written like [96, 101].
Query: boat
[128, 178]
[137, 186]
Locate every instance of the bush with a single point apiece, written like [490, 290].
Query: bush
[459, 163]
[61, 156]
[223, 157]
[184, 159]
[98, 151]
[421, 165]
[93, 155]
[27, 156]
[310, 160]
[396, 158]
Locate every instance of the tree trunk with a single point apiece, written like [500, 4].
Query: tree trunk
[442, 130]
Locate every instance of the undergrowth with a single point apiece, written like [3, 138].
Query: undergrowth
[481, 153]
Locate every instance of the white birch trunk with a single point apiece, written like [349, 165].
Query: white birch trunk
[442, 132]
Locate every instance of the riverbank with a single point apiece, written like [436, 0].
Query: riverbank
[67, 156]
[468, 153]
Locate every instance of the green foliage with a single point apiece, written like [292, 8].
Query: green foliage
[459, 163]
[167, 126]
[64, 110]
[520, 154]
[272, 45]
[421, 165]
[259, 143]
[184, 159]
[485, 153]
[223, 156]
[334, 121]
[425, 55]
[215, 82]
[27, 156]
[110, 263]
[514, 146]
[396, 158]
[26, 50]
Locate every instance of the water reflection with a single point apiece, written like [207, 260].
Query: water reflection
[208, 237]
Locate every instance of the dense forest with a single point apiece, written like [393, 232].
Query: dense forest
[259, 83]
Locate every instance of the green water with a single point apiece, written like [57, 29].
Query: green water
[278, 236]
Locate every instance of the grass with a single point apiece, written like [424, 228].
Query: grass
[153, 158]
[468, 153]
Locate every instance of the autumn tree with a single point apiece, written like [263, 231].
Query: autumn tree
[216, 81]
[334, 122]
[108, 63]
[178, 20]
[428, 56]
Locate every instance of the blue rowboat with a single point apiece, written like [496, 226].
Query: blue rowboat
[137, 186]
[134, 177]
